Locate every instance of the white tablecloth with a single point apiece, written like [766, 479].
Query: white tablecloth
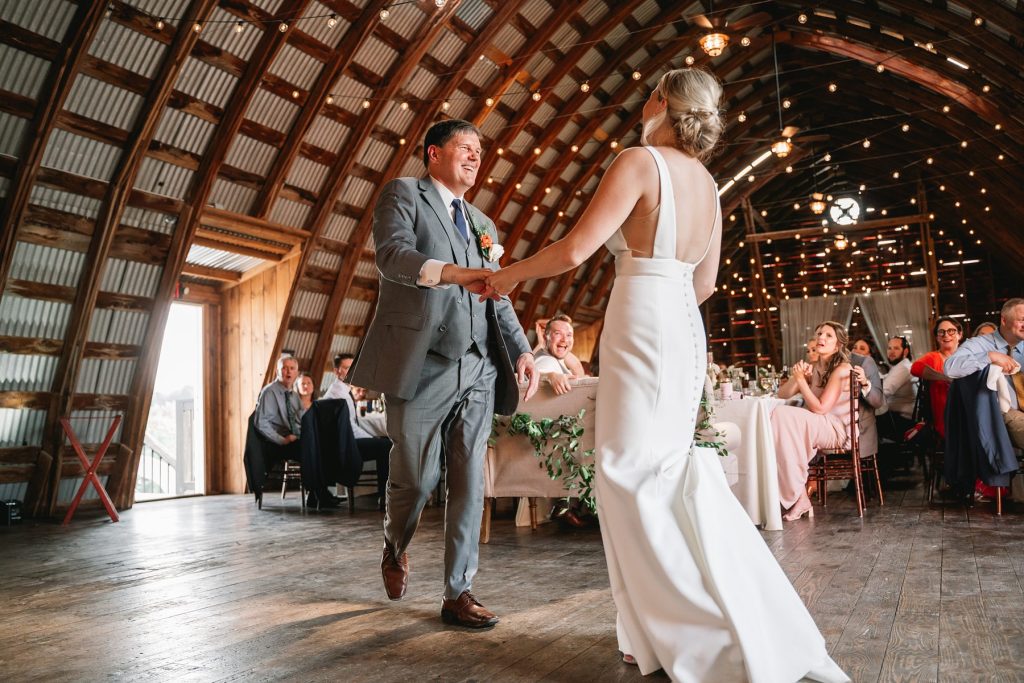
[757, 485]
[375, 423]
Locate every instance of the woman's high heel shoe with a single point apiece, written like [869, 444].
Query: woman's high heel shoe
[798, 511]
[628, 659]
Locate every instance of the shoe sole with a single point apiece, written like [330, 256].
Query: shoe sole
[449, 618]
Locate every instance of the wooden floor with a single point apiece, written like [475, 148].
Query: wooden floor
[210, 589]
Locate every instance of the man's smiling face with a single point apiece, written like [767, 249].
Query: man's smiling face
[456, 163]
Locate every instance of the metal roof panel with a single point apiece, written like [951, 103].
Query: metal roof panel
[48, 18]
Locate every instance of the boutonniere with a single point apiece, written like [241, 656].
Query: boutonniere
[491, 250]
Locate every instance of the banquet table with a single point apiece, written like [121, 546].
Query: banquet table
[375, 423]
[756, 480]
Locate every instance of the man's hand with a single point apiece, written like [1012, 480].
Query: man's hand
[559, 382]
[1008, 364]
[473, 279]
[291, 438]
[525, 370]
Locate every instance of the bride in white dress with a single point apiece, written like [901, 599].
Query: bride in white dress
[698, 592]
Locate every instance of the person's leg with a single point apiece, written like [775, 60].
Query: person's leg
[377, 449]
[415, 458]
[465, 448]
[1015, 426]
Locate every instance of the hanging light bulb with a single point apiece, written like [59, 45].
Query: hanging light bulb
[197, 27]
[282, 27]
[745, 41]
[714, 43]
[329, 99]
[332, 21]
[840, 242]
[782, 147]
[817, 204]
[742, 117]
[366, 104]
[489, 102]
[439, 4]
[536, 96]
[880, 68]
[239, 27]
[802, 18]
[689, 60]
[585, 86]
[384, 14]
[446, 105]
[636, 75]
[159, 24]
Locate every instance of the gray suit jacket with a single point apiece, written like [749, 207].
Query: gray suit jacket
[869, 403]
[410, 226]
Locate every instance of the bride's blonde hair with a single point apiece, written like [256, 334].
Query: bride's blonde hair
[693, 97]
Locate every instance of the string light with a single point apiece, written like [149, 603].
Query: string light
[282, 27]
[742, 117]
[787, 103]
[802, 18]
[197, 27]
[636, 75]
[866, 143]
[986, 88]
[404, 106]
[159, 24]
[332, 21]
[366, 104]
[536, 96]
[329, 99]
[585, 86]
[978, 21]
[745, 41]
[489, 101]
[384, 14]
[689, 60]
[439, 4]
[945, 109]
[239, 27]
[832, 87]
[575, 148]
[880, 68]
[905, 127]
[446, 105]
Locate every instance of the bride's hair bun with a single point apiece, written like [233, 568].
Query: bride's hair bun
[693, 99]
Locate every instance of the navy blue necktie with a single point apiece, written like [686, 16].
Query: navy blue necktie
[460, 219]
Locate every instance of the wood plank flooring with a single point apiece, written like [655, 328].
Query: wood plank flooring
[211, 589]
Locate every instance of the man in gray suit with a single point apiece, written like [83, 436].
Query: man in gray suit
[445, 361]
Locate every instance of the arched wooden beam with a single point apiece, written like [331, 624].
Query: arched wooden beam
[335, 182]
[424, 118]
[188, 220]
[355, 37]
[619, 98]
[53, 93]
[562, 68]
[566, 280]
[626, 88]
[510, 73]
[118, 191]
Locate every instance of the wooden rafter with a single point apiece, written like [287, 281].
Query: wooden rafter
[355, 37]
[59, 79]
[320, 214]
[563, 66]
[188, 221]
[117, 194]
[424, 118]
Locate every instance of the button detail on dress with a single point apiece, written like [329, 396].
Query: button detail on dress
[442, 328]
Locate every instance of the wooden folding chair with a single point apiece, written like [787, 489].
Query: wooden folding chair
[847, 463]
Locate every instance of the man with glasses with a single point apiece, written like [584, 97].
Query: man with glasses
[1005, 348]
[930, 367]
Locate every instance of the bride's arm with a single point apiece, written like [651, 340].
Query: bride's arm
[616, 195]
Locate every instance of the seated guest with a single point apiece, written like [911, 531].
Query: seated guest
[339, 388]
[822, 422]
[1004, 348]
[900, 392]
[306, 392]
[929, 367]
[552, 362]
[812, 351]
[278, 419]
[574, 364]
[985, 328]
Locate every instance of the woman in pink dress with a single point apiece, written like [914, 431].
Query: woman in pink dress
[822, 422]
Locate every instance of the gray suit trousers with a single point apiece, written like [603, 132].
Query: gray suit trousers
[451, 414]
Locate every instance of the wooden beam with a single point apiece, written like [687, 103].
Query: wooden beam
[116, 198]
[355, 37]
[262, 57]
[424, 118]
[257, 228]
[811, 231]
[234, 246]
[208, 273]
[53, 94]
[380, 104]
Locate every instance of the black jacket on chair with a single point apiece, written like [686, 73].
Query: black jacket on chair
[329, 451]
[253, 457]
[977, 442]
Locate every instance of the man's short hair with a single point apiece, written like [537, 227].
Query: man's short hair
[1010, 305]
[560, 318]
[341, 357]
[904, 344]
[443, 131]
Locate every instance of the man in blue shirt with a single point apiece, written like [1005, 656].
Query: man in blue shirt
[1005, 348]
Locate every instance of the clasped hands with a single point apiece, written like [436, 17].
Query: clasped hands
[489, 284]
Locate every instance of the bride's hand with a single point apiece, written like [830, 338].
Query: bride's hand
[499, 284]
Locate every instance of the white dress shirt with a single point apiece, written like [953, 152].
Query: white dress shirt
[899, 387]
[430, 272]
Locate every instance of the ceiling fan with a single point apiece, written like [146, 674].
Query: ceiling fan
[718, 28]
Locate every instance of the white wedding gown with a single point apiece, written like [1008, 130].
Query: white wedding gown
[698, 592]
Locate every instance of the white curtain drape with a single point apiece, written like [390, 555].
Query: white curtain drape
[799, 317]
[898, 313]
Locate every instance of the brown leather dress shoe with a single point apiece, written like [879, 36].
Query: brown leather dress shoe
[395, 573]
[466, 611]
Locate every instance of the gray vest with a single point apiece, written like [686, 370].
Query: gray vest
[467, 328]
